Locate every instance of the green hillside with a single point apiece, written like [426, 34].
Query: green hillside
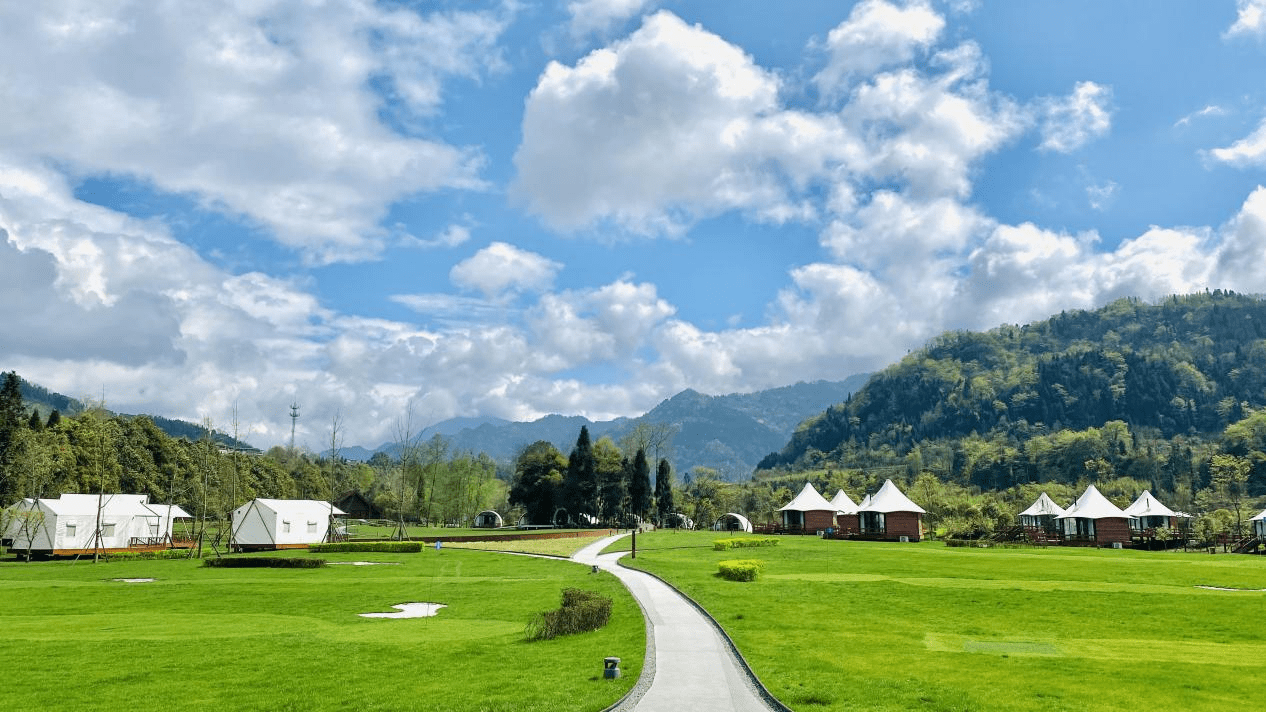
[1132, 389]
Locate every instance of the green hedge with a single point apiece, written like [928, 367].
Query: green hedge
[581, 612]
[389, 547]
[742, 543]
[740, 569]
[265, 562]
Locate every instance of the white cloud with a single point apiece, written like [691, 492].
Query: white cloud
[1249, 151]
[261, 110]
[1209, 110]
[502, 267]
[666, 126]
[1101, 195]
[1073, 121]
[597, 17]
[877, 34]
[1250, 19]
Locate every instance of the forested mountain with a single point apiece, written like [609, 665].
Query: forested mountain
[1151, 381]
[727, 433]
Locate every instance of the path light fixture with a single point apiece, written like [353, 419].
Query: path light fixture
[611, 668]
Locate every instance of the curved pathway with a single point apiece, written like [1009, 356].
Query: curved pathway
[693, 667]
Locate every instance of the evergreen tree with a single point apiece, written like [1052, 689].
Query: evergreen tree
[11, 418]
[663, 490]
[54, 417]
[538, 481]
[35, 422]
[580, 486]
[640, 485]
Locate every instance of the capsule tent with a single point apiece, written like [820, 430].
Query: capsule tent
[1042, 514]
[1147, 512]
[281, 523]
[889, 514]
[845, 512]
[488, 519]
[1094, 520]
[732, 522]
[809, 511]
[87, 523]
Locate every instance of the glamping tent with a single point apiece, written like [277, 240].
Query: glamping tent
[88, 523]
[488, 519]
[808, 512]
[1094, 520]
[732, 522]
[281, 523]
[889, 514]
[1041, 516]
[845, 513]
[1259, 524]
[357, 506]
[1147, 512]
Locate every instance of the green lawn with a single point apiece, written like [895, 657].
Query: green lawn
[835, 625]
[273, 639]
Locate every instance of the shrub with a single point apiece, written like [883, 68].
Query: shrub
[265, 562]
[390, 547]
[740, 569]
[147, 555]
[742, 543]
[581, 611]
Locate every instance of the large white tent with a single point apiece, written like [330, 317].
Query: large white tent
[1259, 524]
[843, 503]
[732, 521]
[1147, 512]
[1081, 520]
[1042, 513]
[890, 499]
[808, 510]
[82, 523]
[281, 523]
[875, 514]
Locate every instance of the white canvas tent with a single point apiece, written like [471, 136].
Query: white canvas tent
[732, 521]
[808, 511]
[281, 523]
[1080, 520]
[890, 499]
[843, 503]
[488, 519]
[1147, 512]
[1259, 524]
[1042, 513]
[70, 524]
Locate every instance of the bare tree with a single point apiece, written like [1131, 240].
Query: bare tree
[336, 443]
[655, 439]
[407, 463]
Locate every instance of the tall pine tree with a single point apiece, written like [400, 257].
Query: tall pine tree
[640, 485]
[11, 418]
[580, 487]
[663, 490]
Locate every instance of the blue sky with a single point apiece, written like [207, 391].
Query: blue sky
[409, 211]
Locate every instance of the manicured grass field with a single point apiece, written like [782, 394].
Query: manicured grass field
[287, 639]
[835, 625]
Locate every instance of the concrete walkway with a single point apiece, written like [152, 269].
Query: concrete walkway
[693, 666]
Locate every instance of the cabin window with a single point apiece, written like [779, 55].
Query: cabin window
[153, 529]
[285, 527]
[312, 527]
[107, 530]
[70, 531]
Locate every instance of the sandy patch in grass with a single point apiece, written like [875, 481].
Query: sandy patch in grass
[134, 580]
[364, 563]
[409, 610]
[1223, 588]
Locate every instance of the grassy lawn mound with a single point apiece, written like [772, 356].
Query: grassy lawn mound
[838, 625]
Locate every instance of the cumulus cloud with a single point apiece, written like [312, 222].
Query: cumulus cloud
[671, 124]
[1249, 151]
[877, 34]
[1071, 122]
[1250, 19]
[260, 110]
[502, 267]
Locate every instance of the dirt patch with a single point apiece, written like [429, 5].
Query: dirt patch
[409, 610]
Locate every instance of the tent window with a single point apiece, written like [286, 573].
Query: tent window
[285, 527]
[153, 529]
[872, 522]
[312, 527]
[70, 531]
[107, 530]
